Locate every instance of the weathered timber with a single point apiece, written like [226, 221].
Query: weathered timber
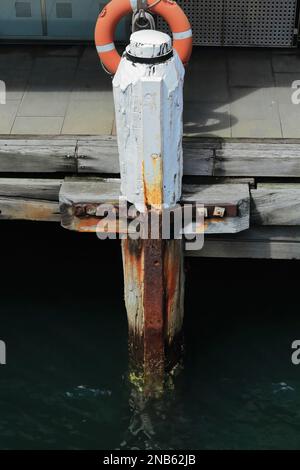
[271, 204]
[149, 128]
[208, 157]
[258, 159]
[80, 199]
[29, 199]
[38, 156]
[31, 188]
[154, 297]
[223, 195]
[80, 202]
[29, 209]
[98, 155]
[256, 243]
[202, 157]
[37, 199]
[101, 156]
[275, 204]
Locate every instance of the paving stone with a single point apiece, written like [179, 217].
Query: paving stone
[250, 68]
[256, 128]
[16, 83]
[286, 62]
[91, 85]
[255, 113]
[38, 125]
[45, 103]
[254, 103]
[90, 59]
[208, 59]
[16, 58]
[89, 117]
[8, 113]
[53, 73]
[205, 119]
[290, 120]
[207, 86]
[284, 83]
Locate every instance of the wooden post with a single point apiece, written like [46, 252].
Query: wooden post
[154, 296]
[148, 89]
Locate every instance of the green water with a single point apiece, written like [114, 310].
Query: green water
[64, 323]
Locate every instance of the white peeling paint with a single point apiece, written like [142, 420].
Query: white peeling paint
[154, 44]
[149, 106]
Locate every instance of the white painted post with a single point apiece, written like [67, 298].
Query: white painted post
[148, 94]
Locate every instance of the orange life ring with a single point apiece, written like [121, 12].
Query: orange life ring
[114, 11]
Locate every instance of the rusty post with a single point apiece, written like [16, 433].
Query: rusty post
[148, 95]
[154, 296]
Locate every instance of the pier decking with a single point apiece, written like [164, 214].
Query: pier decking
[241, 128]
[255, 181]
[229, 93]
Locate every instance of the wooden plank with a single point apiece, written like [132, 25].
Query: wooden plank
[275, 204]
[256, 243]
[29, 209]
[198, 158]
[258, 250]
[258, 159]
[31, 188]
[230, 158]
[98, 156]
[80, 201]
[202, 157]
[90, 191]
[29, 199]
[222, 195]
[101, 156]
[38, 156]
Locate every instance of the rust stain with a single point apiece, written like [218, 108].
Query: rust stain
[94, 224]
[33, 210]
[154, 354]
[153, 192]
[153, 276]
[133, 259]
[172, 269]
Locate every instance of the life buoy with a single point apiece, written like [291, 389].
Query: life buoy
[114, 11]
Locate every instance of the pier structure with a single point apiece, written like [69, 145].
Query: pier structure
[148, 94]
[249, 186]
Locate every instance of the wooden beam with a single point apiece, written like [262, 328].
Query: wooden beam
[255, 243]
[202, 156]
[101, 156]
[30, 199]
[29, 209]
[275, 204]
[38, 156]
[222, 195]
[37, 199]
[80, 201]
[281, 159]
[31, 188]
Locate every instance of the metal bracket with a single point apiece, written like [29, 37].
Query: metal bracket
[142, 5]
[141, 18]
